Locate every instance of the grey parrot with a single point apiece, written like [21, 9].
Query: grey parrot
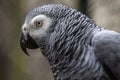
[75, 47]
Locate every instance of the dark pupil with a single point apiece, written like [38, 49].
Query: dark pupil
[39, 23]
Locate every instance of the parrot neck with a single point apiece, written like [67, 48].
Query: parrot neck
[77, 66]
[70, 57]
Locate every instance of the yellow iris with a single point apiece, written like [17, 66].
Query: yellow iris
[39, 23]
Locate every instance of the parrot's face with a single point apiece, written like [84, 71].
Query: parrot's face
[33, 30]
[39, 24]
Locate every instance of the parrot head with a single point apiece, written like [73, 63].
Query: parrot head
[39, 24]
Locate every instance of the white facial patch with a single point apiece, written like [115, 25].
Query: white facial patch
[46, 24]
[35, 31]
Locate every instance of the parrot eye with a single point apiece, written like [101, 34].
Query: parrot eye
[39, 23]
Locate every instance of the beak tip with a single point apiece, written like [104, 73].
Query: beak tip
[25, 51]
[27, 54]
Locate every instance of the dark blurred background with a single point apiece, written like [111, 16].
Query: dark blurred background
[14, 64]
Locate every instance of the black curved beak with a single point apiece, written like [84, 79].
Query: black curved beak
[27, 42]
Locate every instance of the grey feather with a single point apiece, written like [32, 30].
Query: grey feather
[76, 48]
[107, 49]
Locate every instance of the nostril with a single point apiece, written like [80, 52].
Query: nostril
[24, 29]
